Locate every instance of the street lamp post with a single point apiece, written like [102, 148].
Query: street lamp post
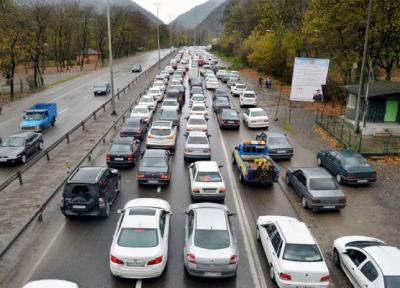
[111, 59]
[158, 35]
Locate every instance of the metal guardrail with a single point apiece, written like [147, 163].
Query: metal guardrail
[41, 208]
[66, 136]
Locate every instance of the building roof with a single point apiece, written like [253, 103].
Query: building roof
[376, 89]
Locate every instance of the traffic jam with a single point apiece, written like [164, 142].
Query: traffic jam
[193, 102]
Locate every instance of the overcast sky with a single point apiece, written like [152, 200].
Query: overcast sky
[169, 8]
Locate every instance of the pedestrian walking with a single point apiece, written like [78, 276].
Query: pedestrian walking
[260, 82]
[269, 83]
[266, 83]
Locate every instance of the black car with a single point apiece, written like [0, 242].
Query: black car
[182, 92]
[197, 81]
[102, 89]
[221, 103]
[123, 152]
[220, 93]
[225, 78]
[154, 167]
[134, 127]
[136, 68]
[90, 191]
[17, 148]
[279, 146]
[170, 115]
[228, 118]
[196, 90]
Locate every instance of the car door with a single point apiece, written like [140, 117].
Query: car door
[329, 159]
[192, 174]
[246, 115]
[30, 145]
[188, 229]
[299, 182]
[368, 275]
[352, 261]
[267, 231]
[276, 247]
[164, 231]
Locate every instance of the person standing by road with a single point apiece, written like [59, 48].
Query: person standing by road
[260, 82]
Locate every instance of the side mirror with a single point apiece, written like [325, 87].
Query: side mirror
[191, 165]
[344, 252]
[231, 214]
[221, 166]
[120, 211]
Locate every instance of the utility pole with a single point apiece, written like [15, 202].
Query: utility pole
[364, 63]
[158, 36]
[111, 59]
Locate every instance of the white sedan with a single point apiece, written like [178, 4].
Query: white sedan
[255, 118]
[293, 255]
[156, 93]
[206, 182]
[197, 99]
[144, 112]
[367, 261]
[140, 243]
[197, 146]
[237, 88]
[248, 98]
[196, 123]
[170, 104]
[149, 101]
[160, 85]
[162, 134]
[212, 83]
[199, 109]
[50, 283]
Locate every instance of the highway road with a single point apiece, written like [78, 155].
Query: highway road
[74, 98]
[78, 250]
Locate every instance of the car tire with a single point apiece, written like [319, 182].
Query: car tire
[287, 180]
[303, 203]
[319, 162]
[107, 209]
[23, 158]
[53, 123]
[40, 148]
[271, 273]
[335, 258]
[258, 235]
[339, 178]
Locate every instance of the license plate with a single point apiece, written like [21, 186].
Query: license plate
[329, 207]
[79, 206]
[135, 264]
[362, 181]
[209, 190]
[118, 159]
[152, 182]
[281, 151]
[231, 122]
[212, 274]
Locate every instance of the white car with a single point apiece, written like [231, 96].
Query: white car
[221, 73]
[367, 261]
[156, 93]
[149, 101]
[170, 104]
[197, 99]
[255, 118]
[140, 243]
[159, 84]
[161, 77]
[197, 146]
[169, 69]
[212, 83]
[237, 88]
[206, 182]
[162, 134]
[235, 74]
[196, 123]
[166, 75]
[50, 283]
[294, 256]
[248, 98]
[144, 112]
[199, 109]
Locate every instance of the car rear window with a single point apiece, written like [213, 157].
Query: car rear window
[198, 108]
[277, 141]
[258, 114]
[302, 253]
[240, 86]
[230, 114]
[132, 124]
[212, 239]
[138, 238]
[120, 148]
[249, 95]
[170, 103]
[197, 121]
[153, 162]
[160, 132]
[169, 114]
[355, 161]
[197, 140]
[208, 177]
[323, 184]
[140, 110]
[198, 98]
[392, 281]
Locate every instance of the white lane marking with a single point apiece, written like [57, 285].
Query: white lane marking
[138, 284]
[251, 250]
[63, 111]
[159, 189]
[48, 247]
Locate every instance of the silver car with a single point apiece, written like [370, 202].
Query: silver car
[210, 243]
[317, 188]
[197, 146]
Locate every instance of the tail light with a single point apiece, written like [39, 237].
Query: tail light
[324, 278]
[170, 137]
[140, 175]
[108, 157]
[155, 261]
[190, 258]
[116, 260]
[316, 201]
[343, 200]
[206, 150]
[353, 177]
[121, 134]
[189, 129]
[253, 121]
[285, 276]
[233, 260]
[188, 150]
[101, 202]
[130, 157]
[196, 190]
[222, 190]
[164, 176]
[204, 129]
[150, 137]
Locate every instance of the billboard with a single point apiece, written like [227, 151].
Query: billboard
[309, 74]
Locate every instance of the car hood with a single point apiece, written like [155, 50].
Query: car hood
[11, 151]
[30, 123]
[143, 169]
[327, 193]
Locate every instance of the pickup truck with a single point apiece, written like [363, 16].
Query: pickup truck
[39, 117]
[254, 164]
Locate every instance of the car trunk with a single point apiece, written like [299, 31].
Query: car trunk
[212, 260]
[305, 272]
[81, 198]
[138, 257]
[329, 196]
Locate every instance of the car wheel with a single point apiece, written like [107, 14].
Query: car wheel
[339, 179]
[53, 123]
[258, 235]
[336, 259]
[319, 162]
[304, 203]
[271, 273]
[40, 146]
[23, 159]
[107, 210]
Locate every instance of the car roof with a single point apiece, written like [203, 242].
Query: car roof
[275, 134]
[123, 140]
[86, 175]
[211, 166]
[197, 117]
[387, 257]
[146, 217]
[316, 172]
[256, 109]
[294, 231]
[210, 218]
[154, 153]
[141, 106]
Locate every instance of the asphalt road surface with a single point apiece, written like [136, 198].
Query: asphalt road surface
[74, 98]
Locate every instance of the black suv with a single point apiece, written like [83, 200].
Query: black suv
[90, 191]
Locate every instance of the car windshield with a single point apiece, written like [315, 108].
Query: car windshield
[208, 177]
[249, 95]
[34, 116]
[170, 103]
[392, 281]
[355, 161]
[197, 90]
[198, 98]
[197, 140]
[14, 142]
[222, 100]
[240, 86]
[323, 184]
[132, 124]
[230, 114]
[212, 239]
[197, 121]
[138, 238]
[278, 141]
[120, 148]
[160, 132]
[302, 253]
[154, 91]
[258, 114]
[154, 162]
[140, 110]
[198, 108]
[169, 114]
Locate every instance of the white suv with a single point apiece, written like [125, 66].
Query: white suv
[248, 98]
[237, 88]
[294, 257]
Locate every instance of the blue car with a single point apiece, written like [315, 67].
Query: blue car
[347, 166]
